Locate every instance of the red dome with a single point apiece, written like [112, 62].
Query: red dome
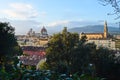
[43, 30]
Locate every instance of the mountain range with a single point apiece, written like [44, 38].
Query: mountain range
[94, 29]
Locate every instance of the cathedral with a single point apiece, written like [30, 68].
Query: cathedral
[43, 33]
[103, 35]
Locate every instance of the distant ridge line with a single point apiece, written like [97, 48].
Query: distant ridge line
[94, 29]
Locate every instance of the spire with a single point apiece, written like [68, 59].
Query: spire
[105, 29]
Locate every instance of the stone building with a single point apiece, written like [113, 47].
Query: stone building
[103, 35]
[34, 39]
[106, 43]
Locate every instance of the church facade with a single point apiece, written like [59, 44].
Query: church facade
[103, 35]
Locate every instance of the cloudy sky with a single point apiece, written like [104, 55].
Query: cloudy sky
[53, 14]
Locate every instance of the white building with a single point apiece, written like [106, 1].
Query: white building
[106, 43]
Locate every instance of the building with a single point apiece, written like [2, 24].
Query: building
[106, 43]
[103, 35]
[34, 39]
[116, 36]
[102, 39]
[32, 55]
[117, 44]
[43, 33]
[33, 45]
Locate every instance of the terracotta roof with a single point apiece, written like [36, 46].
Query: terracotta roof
[43, 29]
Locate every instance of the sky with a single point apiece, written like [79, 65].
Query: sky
[54, 14]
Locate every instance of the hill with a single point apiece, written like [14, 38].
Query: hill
[94, 29]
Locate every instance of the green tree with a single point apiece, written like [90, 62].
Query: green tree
[105, 64]
[66, 53]
[60, 49]
[9, 49]
[82, 57]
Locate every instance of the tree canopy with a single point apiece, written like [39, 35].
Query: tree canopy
[60, 49]
[66, 53]
[9, 49]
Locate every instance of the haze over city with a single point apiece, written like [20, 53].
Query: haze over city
[54, 14]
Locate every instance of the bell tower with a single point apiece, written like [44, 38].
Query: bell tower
[105, 30]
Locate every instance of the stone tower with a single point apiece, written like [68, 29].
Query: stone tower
[105, 30]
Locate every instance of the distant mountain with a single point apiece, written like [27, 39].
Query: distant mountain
[94, 29]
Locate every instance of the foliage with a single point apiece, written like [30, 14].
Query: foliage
[25, 74]
[7, 39]
[8, 42]
[9, 49]
[42, 65]
[60, 50]
[68, 55]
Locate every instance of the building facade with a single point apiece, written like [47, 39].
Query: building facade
[106, 43]
[103, 35]
[34, 39]
[101, 39]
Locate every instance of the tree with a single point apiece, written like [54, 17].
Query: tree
[67, 54]
[115, 4]
[105, 64]
[60, 50]
[9, 49]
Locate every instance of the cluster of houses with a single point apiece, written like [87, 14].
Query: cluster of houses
[32, 55]
[33, 45]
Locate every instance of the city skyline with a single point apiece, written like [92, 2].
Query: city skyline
[24, 14]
